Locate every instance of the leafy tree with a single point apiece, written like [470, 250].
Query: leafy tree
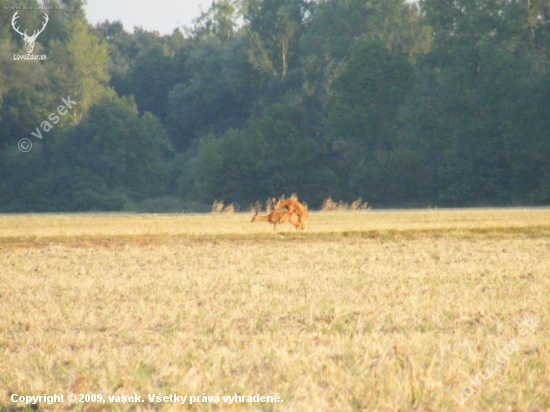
[274, 28]
[336, 25]
[217, 96]
[220, 21]
[150, 65]
[79, 68]
[127, 151]
[366, 95]
[364, 102]
[274, 154]
[24, 97]
[67, 189]
[151, 78]
[469, 112]
[109, 159]
[123, 52]
[399, 102]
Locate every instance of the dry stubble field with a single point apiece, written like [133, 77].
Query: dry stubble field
[435, 310]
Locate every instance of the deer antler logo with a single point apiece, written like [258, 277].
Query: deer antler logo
[29, 40]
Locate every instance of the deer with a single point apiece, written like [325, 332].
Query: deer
[29, 40]
[277, 218]
[292, 206]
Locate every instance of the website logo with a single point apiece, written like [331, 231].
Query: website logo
[29, 40]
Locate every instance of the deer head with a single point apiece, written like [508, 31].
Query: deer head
[29, 40]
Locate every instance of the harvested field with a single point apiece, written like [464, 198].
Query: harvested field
[434, 310]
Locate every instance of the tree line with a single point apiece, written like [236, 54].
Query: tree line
[404, 104]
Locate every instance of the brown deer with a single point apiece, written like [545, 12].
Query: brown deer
[278, 218]
[292, 206]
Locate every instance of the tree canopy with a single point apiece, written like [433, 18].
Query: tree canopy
[401, 103]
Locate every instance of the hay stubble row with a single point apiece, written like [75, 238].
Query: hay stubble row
[362, 311]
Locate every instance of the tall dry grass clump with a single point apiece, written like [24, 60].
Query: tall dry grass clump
[330, 205]
[358, 204]
[220, 207]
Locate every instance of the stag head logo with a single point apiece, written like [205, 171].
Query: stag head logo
[29, 40]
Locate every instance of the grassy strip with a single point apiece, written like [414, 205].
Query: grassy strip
[539, 231]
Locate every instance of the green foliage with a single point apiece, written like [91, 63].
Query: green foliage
[146, 66]
[274, 28]
[219, 21]
[24, 97]
[122, 148]
[217, 96]
[113, 157]
[474, 109]
[274, 154]
[70, 189]
[400, 103]
[365, 96]
[79, 68]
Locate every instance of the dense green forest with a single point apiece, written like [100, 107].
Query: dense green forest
[438, 102]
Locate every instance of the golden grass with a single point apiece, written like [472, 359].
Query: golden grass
[374, 311]
[28, 228]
